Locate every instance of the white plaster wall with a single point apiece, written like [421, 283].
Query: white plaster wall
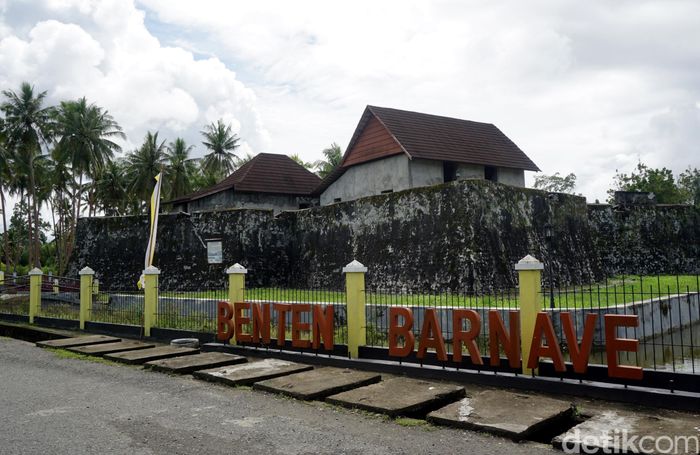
[370, 178]
[510, 176]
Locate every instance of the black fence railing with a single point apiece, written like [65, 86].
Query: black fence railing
[60, 297]
[379, 303]
[14, 295]
[668, 311]
[189, 310]
[312, 297]
[117, 306]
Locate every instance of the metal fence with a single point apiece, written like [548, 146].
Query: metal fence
[14, 295]
[60, 297]
[324, 297]
[668, 310]
[190, 310]
[117, 306]
[379, 303]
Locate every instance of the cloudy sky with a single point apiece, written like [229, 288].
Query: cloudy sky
[584, 87]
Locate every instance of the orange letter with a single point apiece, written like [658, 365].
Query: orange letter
[613, 345]
[396, 331]
[323, 327]
[298, 326]
[431, 336]
[282, 309]
[224, 325]
[261, 322]
[467, 338]
[241, 321]
[497, 334]
[543, 326]
[579, 354]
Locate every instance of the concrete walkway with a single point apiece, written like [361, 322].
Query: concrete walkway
[518, 416]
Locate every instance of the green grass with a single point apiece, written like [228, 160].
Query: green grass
[63, 354]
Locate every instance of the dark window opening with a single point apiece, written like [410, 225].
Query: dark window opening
[387, 191]
[449, 171]
[304, 205]
[491, 173]
[337, 199]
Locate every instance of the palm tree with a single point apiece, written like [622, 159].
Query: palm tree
[221, 141]
[110, 188]
[180, 170]
[29, 128]
[334, 155]
[301, 161]
[4, 177]
[87, 134]
[143, 164]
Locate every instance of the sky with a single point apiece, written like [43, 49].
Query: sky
[584, 87]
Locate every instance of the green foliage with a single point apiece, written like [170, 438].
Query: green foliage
[333, 156]
[646, 179]
[689, 184]
[301, 161]
[555, 183]
[221, 142]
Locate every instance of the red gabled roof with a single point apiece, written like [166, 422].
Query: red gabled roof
[264, 173]
[431, 137]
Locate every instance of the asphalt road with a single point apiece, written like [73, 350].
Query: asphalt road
[59, 405]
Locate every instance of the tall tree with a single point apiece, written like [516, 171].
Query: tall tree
[221, 141]
[689, 184]
[110, 189]
[29, 130]
[142, 165]
[657, 181]
[180, 169]
[333, 155]
[4, 177]
[555, 183]
[301, 161]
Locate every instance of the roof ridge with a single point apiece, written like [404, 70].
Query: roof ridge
[429, 115]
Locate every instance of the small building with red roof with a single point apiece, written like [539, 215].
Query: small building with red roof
[268, 181]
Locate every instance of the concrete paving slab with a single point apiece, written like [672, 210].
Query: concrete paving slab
[146, 355]
[77, 341]
[189, 363]
[625, 431]
[400, 397]
[515, 415]
[318, 383]
[108, 348]
[252, 372]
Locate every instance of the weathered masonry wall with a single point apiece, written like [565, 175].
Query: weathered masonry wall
[460, 236]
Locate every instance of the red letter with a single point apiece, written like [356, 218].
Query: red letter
[282, 309]
[261, 322]
[241, 321]
[323, 327]
[543, 326]
[497, 334]
[224, 325]
[467, 338]
[298, 326]
[396, 331]
[431, 336]
[613, 345]
[579, 354]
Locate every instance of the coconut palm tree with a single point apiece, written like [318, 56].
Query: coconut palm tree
[180, 169]
[221, 141]
[110, 188]
[29, 127]
[4, 177]
[333, 155]
[143, 164]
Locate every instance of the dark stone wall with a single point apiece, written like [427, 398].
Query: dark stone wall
[460, 236]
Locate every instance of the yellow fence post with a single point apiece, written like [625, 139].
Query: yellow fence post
[56, 287]
[236, 286]
[530, 280]
[2, 278]
[86, 277]
[150, 299]
[35, 276]
[96, 286]
[355, 294]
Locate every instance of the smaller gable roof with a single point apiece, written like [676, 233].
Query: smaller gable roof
[264, 173]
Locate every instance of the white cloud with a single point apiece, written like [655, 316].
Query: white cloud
[581, 87]
[103, 50]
